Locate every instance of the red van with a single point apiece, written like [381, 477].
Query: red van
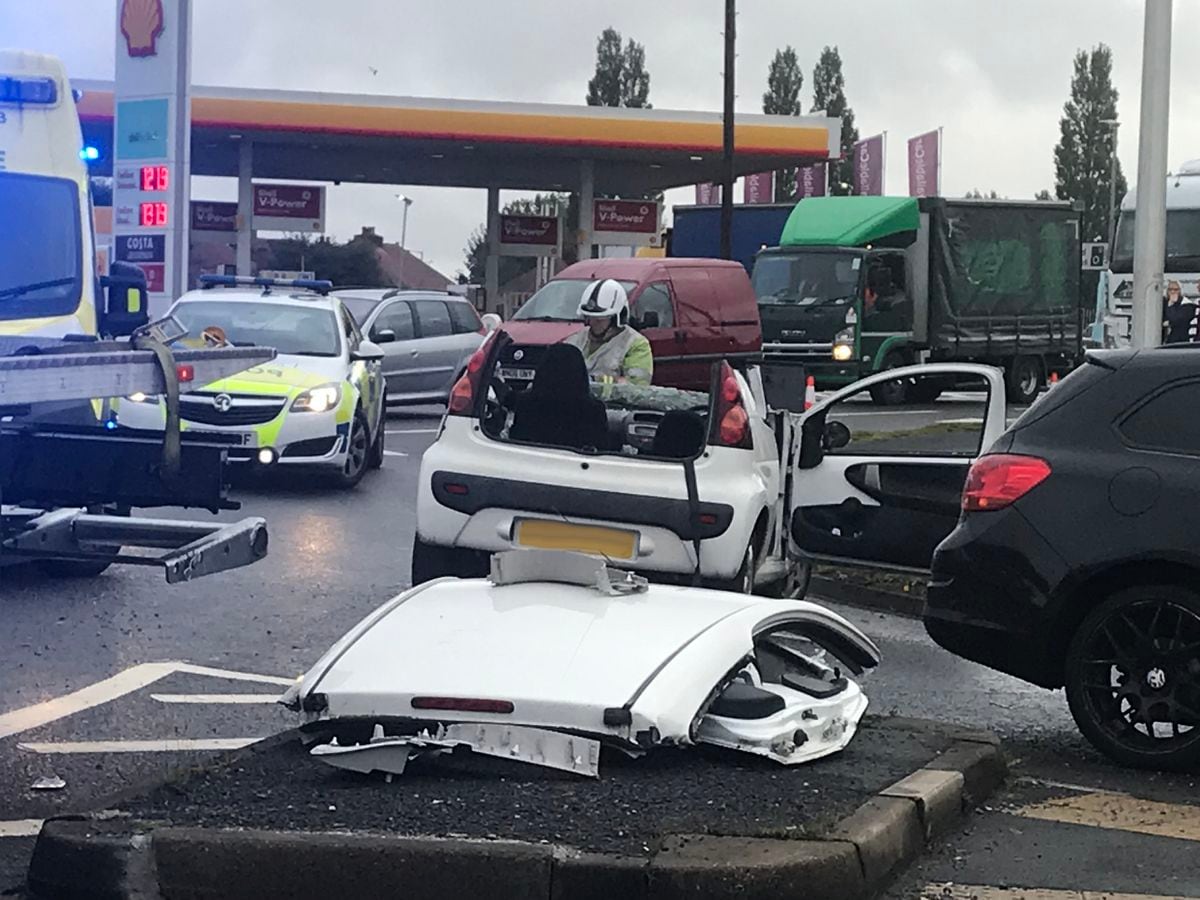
[693, 311]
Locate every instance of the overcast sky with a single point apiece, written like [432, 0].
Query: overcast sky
[993, 73]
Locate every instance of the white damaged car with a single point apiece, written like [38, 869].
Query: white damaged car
[556, 655]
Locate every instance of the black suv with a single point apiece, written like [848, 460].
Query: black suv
[1076, 560]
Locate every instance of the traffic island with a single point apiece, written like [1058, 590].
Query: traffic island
[269, 821]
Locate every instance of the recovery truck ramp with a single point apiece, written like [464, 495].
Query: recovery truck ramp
[66, 492]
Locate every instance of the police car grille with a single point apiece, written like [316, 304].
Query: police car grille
[245, 410]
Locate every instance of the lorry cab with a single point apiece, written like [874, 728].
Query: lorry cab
[49, 287]
[1114, 312]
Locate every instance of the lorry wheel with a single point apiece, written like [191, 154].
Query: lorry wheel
[926, 390]
[891, 393]
[1024, 379]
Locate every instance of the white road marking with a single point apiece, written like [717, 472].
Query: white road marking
[17, 828]
[132, 679]
[178, 745]
[988, 892]
[216, 698]
[414, 431]
[393, 453]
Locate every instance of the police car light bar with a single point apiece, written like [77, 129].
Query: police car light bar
[42, 91]
[305, 284]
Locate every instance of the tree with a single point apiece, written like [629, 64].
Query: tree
[977, 194]
[1043, 194]
[475, 262]
[829, 94]
[784, 80]
[621, 78]
[1083, 156]
[354, 262]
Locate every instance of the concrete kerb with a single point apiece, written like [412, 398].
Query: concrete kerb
[118, 858]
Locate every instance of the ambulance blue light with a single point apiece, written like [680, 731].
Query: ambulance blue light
[43, 91]
[91, 154]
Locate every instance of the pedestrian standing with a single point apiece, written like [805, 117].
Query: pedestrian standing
[1182, 316]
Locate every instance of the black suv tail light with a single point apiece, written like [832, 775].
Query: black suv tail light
[1000, 480]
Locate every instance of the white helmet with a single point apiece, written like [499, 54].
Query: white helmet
[605, 299]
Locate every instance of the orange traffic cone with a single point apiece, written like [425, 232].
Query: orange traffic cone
[810, 393]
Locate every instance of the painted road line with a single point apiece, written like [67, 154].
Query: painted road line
[987, 892]
[233, 675]
[132, 679]
[393, 453]
[1120, 812]
[178, 745]
[18, 828]
[216, 698]
[118, 685]
[414, 431]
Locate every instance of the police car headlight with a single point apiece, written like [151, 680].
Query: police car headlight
[139, 397]
[318, 399]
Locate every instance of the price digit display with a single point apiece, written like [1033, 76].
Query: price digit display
[155, 178]
[153, 215]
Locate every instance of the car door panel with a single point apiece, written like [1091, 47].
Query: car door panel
[435, 356]
[397, 318]
[878, 502]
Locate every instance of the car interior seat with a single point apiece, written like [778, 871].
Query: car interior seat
[680, 435]
[558, 409]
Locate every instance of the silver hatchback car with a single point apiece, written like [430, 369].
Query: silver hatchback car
[427, 338]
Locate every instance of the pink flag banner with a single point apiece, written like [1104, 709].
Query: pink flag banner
[810, 180]
[924, 169]
[759, 188]
[868, 166]
[708, 194]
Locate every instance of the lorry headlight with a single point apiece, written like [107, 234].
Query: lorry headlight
[843, 352]
[139, 397]
[318, 399]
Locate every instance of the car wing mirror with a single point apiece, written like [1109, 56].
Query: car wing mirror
[367, 351]
[126, 300]
[491, 322]
[835, 436]
[384, 336]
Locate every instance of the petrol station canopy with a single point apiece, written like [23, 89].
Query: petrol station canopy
[466, 143]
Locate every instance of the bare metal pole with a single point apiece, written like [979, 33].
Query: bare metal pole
[1113, 125]
[727, 122]
[1150, 219]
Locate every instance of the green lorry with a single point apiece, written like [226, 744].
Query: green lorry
[861, 284]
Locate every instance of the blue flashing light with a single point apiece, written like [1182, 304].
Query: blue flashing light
[111, 424]
[41, 91]
[305, 284]
[89, 154]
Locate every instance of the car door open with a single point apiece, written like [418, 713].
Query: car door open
[882, 485]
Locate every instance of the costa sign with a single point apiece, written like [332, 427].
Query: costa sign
[528, 235]
[626, 222]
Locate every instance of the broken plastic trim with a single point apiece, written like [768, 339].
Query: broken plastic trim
[564, 567]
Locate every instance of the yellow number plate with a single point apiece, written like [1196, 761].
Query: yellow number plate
[609, 542]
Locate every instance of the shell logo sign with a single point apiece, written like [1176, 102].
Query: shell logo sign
[142, 25]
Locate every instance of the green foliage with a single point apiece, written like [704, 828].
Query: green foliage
[354, 262]
[1083, 155]
[829, 94]
[621, 78]
[782, 98]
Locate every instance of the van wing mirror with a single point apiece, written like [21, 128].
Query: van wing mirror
[126, 300]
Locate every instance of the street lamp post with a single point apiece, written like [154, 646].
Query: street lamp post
[1113, 125]
[407, 201]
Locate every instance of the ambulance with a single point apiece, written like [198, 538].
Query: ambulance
[49, 287]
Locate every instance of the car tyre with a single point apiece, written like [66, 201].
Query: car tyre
[795, 585]
[1024, 379]
[375, 459]
[743, 581]
[1134, 659]
[357, 454]
[891, 393]
[430, 561]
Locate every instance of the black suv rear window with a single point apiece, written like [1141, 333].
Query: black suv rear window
[1082, 379]
[1168, 421]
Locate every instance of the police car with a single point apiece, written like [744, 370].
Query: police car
[319, 403]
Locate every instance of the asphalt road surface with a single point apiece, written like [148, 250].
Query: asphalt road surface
[116, 680]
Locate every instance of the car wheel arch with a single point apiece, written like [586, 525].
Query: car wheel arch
[1088, 593]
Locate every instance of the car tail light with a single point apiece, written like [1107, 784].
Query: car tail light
[462, 395]
[731, 426]
[1000, 480]
[462, 704]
